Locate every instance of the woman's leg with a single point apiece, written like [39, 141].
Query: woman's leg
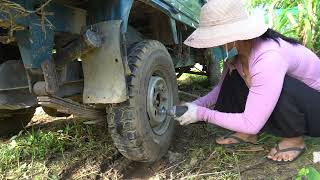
[232, 99]
[295, 115]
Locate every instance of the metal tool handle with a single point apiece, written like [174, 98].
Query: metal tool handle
[180, 110]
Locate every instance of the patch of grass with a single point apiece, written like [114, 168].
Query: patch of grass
[211, 158]
[308, 173]
[203, 159]
[35, 145]
[45, 153]
[193, 82]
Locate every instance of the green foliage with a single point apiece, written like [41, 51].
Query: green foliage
[29, 151]
[308, 173]
[277, 4]
[36, 145]
[297, 19]
[195, 82]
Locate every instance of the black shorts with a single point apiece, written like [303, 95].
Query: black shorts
[297, 111]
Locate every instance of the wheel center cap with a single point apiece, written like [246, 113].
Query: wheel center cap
[157, 100]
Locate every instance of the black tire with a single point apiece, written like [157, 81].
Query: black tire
[53, 112]
[213, 72]
[13, 121]
[129, 122]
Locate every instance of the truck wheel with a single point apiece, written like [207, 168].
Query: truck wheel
[53, 112]
[14, 121]
[213, 72]
[139, 130]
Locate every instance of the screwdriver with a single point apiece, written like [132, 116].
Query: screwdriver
[178, 111]
[175, 111]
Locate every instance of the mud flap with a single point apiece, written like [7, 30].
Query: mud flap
[104, 74]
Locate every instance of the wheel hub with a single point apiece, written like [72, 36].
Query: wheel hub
[157, 100]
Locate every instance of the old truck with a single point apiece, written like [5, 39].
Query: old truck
[114, 61]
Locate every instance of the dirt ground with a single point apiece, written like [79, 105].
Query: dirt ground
[193, 155]
[89, 154]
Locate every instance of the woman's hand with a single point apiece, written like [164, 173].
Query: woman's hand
[190, 116]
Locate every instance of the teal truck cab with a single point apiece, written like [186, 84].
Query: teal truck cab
[114, 60]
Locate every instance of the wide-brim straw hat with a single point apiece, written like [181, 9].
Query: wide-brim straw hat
[225, 21]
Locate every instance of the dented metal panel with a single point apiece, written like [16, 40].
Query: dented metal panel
[104, 76]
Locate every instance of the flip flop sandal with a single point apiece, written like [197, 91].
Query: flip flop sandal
[239, 140]
[297, 149]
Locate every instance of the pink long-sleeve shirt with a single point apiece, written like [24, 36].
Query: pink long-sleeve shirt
[268, 65]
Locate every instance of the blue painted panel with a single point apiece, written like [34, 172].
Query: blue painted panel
[102, 10]
[217, 53]
[64, 18]
[35, 44]
[36, 41]
[20, 20]
[174, 12]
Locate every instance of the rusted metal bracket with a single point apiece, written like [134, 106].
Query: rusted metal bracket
[89, 41]
[77, 48]
[51, 77]
[71, 107]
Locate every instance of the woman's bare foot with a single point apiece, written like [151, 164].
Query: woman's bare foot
[286, 143]
[230, 140]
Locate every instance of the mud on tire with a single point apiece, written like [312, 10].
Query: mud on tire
[135, 133]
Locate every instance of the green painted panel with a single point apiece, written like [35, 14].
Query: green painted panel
[189, 8]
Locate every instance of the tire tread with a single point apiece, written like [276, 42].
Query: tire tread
[121, 116]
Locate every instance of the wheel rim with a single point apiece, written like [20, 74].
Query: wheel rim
[157, 101]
